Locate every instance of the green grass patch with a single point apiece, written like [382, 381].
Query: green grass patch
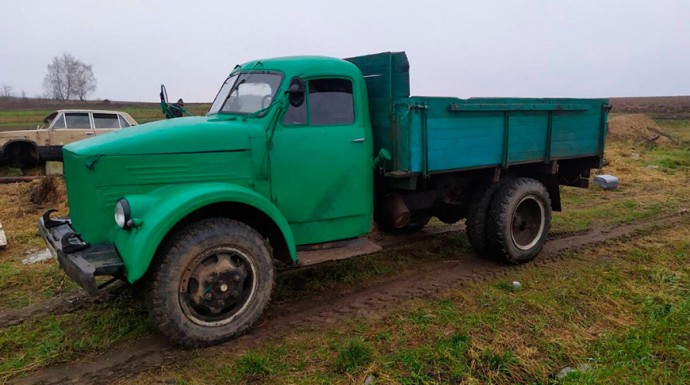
[23, 285]
[59, 338]
[10, 171]
[355, 355]
[671, 160]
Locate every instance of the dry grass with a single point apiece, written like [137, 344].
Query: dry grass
[636, 128]
[21, 284]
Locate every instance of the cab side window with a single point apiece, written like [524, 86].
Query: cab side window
[77, 120]
[329, 103]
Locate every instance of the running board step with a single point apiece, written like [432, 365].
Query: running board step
[336, 251]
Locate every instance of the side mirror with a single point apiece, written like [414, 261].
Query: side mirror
[296, 91]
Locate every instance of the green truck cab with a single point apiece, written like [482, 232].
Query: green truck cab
[304, 151]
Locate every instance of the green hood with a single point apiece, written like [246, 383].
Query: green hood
[180, 135]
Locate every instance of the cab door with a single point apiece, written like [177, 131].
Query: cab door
[321, 164]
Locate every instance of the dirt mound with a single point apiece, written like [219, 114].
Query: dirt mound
[50, 190]
[637, 128]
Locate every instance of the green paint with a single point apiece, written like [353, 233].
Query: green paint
[312, 177]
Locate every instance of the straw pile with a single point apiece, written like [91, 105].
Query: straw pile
[636, 128]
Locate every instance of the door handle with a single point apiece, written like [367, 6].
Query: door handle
[359, 140]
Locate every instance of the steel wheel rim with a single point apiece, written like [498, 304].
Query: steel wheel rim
[527, 222]
[217, 286]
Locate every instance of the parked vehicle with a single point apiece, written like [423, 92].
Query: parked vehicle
[29, 147]
[301, 155]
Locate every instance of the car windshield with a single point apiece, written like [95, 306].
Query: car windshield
[47, 120]
[246, 93]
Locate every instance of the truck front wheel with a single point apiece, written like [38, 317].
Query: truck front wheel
[519, 220]
[212, 281]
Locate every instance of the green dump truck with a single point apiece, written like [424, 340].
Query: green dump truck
[305, 153]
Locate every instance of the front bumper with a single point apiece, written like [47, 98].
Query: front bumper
[81, 261]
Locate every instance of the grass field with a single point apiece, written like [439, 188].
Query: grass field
[617, 311]
[18, 115]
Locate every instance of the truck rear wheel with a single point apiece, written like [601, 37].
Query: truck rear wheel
[477, 214]
[519, 220]
[213, 280]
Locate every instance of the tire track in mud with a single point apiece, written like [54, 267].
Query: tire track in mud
[66, 304]
[375, 300]
[55, 306]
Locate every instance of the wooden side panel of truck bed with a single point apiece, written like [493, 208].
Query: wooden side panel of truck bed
[443, 134]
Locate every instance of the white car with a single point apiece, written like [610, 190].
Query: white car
[29, 147]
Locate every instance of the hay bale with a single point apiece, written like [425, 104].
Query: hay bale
[636, 128]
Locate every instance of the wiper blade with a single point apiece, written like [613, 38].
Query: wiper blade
[238, 83]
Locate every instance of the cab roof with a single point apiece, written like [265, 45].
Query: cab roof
[303, 66]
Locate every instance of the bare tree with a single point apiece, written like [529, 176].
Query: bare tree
[55, 81]
[68, 78]
[6, 90]
[84, 81]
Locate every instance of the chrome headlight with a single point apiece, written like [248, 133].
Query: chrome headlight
[122, 213]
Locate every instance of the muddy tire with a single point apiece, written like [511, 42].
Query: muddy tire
[477, 214]
[212, 281]
[519, 220]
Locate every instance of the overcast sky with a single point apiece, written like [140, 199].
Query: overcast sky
[540, 48]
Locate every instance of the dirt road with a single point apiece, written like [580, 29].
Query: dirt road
[371, 299]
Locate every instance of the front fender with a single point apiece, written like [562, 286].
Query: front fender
[158, 211]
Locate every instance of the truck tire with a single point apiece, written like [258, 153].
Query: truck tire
[519, 220]
[477, 214]
[212, 281]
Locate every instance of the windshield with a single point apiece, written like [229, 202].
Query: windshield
[47, 120]
[246, 93]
